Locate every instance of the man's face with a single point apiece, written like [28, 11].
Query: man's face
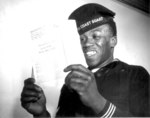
[96, 45]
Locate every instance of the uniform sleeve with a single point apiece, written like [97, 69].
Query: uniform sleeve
[138, 102]
[64, 103]
[110, 110]
[68, 103]
[139, 99]
[67, 108]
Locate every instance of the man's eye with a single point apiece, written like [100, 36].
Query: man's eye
[96, 37]
[82, 39]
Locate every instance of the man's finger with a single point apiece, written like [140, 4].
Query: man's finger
[29, 81]
[29, 99]
[79, 87]
[33, 87]
[76, 74]
[29, 93]
[77, 67]
[79, 81]
[67, 79]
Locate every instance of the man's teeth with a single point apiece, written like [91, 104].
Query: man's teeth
[90, 53]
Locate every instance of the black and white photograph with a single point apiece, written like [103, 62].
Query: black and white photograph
[74, 58]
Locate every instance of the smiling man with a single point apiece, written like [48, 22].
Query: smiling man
[108, 87]
[98, 45]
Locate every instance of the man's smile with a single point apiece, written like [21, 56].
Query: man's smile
[90, 53]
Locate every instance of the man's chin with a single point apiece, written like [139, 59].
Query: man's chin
[92, 65]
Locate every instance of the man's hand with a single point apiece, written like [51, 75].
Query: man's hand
[83, 81]
[33, 99]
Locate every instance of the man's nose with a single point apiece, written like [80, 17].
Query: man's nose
[89, 41]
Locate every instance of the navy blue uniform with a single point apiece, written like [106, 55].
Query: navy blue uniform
[125, 87]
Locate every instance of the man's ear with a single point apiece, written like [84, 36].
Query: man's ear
[113, 41]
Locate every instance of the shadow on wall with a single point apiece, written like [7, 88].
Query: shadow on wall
[18, 111]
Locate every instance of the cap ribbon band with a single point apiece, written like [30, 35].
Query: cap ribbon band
[90, 24]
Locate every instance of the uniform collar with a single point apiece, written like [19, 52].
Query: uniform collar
[96, 69]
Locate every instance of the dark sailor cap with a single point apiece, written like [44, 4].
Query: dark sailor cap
[90, 16]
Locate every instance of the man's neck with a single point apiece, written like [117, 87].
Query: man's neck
[109, 60]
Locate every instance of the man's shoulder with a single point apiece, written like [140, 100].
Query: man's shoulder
[133, 69]
[122, 64]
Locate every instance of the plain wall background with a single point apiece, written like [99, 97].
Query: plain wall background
[19, 17]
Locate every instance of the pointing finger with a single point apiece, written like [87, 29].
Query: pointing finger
[77, 67]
